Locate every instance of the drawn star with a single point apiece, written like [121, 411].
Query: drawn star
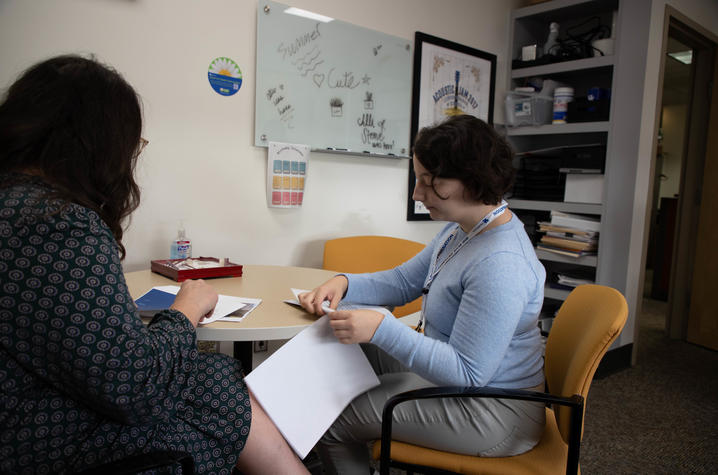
[365, 79]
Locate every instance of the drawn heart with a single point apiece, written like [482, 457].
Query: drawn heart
[318, 79]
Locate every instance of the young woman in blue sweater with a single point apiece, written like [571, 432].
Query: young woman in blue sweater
[482, 288]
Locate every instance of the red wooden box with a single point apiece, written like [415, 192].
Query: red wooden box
[167, 268]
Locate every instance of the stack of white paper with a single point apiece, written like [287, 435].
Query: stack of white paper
[308, 382]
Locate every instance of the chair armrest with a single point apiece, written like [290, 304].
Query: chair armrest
[575, 403]
[143, 462]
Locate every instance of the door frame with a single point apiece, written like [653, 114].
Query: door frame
[692, 166]
[677, 317]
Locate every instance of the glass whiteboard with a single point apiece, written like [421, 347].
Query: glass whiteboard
[331, 85]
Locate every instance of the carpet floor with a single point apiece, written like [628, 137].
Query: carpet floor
[659, 416]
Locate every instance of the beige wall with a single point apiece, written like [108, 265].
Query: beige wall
[201, 165]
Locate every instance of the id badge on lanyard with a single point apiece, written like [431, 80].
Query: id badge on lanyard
[436, 267]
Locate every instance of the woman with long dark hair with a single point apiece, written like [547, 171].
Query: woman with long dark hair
[82, 380]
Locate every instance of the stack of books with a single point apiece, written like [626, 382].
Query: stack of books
[570, 235]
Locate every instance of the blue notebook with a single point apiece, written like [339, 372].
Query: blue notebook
[154, 301]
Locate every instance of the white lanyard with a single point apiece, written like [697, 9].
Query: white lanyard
[435, 269]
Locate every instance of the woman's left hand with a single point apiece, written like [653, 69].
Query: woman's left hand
[355, 326]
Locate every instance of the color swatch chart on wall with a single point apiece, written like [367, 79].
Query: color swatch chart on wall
[286, 174]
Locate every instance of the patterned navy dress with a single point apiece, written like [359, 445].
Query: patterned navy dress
[82, 380]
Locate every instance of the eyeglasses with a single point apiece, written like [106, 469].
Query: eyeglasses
[143, 144]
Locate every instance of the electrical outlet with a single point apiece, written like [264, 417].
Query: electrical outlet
[260, 346]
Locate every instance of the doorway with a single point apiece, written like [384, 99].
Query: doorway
[675, 101]
[680, 227]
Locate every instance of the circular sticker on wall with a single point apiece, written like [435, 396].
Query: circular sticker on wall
[224, 76]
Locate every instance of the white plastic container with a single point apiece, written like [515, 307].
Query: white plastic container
[561, 97]
[527, 108]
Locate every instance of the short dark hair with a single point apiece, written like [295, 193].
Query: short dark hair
[76, 123]
[470, 150]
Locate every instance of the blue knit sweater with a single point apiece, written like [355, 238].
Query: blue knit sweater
[481, 310]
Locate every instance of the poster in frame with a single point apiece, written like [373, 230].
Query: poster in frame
[449, 79]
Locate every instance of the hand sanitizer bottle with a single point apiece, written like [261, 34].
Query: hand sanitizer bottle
[181, 247]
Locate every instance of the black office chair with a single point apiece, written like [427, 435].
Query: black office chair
[143, 462]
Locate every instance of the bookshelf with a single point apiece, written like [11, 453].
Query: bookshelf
[622, 208]
[529, 25]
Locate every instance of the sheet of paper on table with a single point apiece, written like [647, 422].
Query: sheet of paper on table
[295, 301]
[343, 304]
[228, 308]
[308, 382]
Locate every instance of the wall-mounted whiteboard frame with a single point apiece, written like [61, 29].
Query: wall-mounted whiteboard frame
[334, 86]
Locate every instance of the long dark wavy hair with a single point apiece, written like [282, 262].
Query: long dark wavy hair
[468, 149]
[76, 124]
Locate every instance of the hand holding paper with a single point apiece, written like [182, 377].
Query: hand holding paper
[332, 291]
[229, 308]
[196, 299]
[355, 326]
[351, 323]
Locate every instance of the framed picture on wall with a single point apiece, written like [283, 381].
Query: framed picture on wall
[449, 79]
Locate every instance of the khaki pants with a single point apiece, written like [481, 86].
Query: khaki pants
[472, 426]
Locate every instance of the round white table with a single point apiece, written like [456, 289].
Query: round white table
[271, 320]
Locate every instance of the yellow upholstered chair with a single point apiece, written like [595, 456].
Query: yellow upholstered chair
[358, 254]
[588, 321]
